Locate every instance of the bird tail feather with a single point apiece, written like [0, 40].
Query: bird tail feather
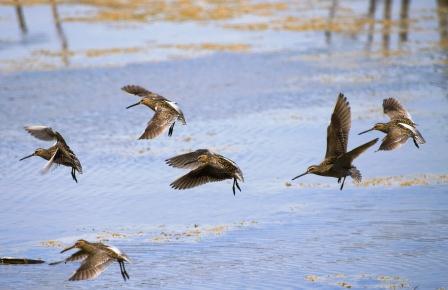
[418, 137]
[355, 174]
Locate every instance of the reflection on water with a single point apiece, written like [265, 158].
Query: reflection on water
[386, 26]
[371, 17]
[442, 12]
[114, 33]
[60, 31]
[20, 17]
[331, 15]
[404, 20]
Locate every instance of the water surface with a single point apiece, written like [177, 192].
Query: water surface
[267, 108]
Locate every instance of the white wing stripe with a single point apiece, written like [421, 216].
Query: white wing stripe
[174, 106]
[50, 162]
[408, 127]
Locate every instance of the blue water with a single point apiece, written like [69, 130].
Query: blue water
[268, 111]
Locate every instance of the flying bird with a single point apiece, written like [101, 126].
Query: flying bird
[95, 257]
[400, 127]
[338, 162]
[206, 167]
[59, 154]
[166, 111]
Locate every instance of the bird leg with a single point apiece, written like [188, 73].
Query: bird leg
[415, 142]
[74, 175]
[125, 272]
[235, 182]
[343, 181]
[237, 185]
[170, 131]
[122, 271]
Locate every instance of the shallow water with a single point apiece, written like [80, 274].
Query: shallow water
[267, 109]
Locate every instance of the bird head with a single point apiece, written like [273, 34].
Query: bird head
[378, 126]
[79, 244]
[38, 152]
[142, 101]
[311, 169]
[203, 158]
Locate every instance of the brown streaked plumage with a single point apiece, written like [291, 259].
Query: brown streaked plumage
[166, 111]
[206, 167]
[400, 127]
[338, 162]
[59, 153]
[95, 257]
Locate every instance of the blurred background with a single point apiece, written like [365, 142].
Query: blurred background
[45, 35]
[257, 81]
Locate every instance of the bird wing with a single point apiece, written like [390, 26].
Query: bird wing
[187, 160]
[92, 267]
[394, 110]
[136, 90]
[161, 120]
[141, 92]
[45, 133]
[394, 139]
[226, 163]
[69, 156]
[79, 255]
[339, 128]
[50, 162]
[346, 159]
[176, 108]
[201, 175]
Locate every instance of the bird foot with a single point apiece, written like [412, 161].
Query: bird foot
[342, 185]
[74, 175]
[170, 131]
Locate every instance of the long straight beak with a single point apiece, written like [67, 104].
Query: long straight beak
[133, 105]
[365, 131]
[66, 249]
[31, 155]
[305, 173]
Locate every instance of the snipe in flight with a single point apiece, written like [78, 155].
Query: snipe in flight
[338, 162]
[400, 127]
[95, 257]
[206, 167]
[166, 111]
[59, 153]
